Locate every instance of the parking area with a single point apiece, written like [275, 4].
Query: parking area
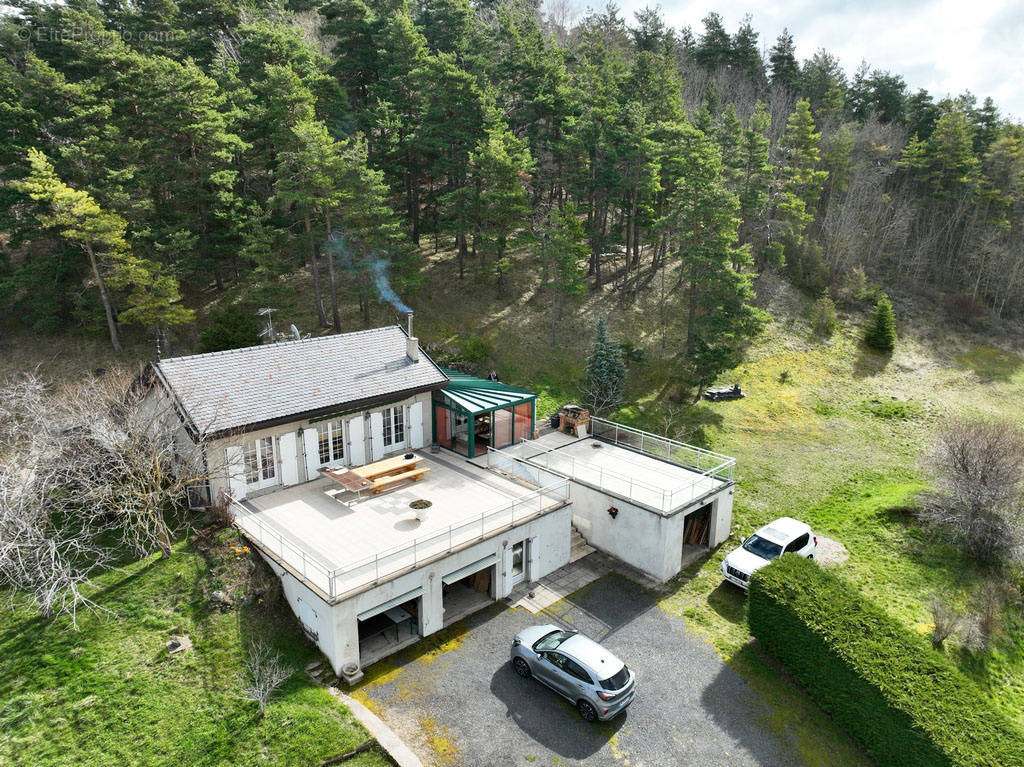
[460, 703]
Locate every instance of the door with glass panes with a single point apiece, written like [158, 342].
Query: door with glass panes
[330, 438]
[394, 429]
[260, 463]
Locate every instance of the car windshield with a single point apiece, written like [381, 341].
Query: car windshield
[552, 640]
[762, 547]
[618, 681]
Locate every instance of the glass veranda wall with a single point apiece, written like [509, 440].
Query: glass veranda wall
[470, 432]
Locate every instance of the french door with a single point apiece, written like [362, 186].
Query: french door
[260, 463]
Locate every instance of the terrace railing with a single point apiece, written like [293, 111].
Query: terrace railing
[709, 468]
[338, 582]
[273, 541]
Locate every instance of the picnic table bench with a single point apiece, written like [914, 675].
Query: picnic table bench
[390, 471]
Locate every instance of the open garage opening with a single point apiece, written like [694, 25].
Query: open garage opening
[388, 628]
[463, 592]
[696, 533]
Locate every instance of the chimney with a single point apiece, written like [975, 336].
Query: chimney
[412, 344]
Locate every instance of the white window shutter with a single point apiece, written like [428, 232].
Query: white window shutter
[376, 435]
[234, 466]
[311, 445]
[356, 441]
[416, 425]
[289, 459]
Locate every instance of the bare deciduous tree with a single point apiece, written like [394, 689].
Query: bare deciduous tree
[265, 672]
[87, 471]
[945, 621]
[128, 463]
[979, 468]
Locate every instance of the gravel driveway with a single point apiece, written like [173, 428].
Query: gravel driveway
[461, 704]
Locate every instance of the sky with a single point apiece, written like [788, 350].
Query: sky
[944, 46]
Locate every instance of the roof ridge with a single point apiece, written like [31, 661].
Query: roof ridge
[277, 344]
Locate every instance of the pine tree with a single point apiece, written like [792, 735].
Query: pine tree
[606, 371]
[563, 255]
[498, 168]
[753, 177]
[151, 295]
[881, 331]
[784, 66]
[716, 295]
[798, 190]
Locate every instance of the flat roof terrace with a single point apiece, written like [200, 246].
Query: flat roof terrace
[340, 543]
[661, 474]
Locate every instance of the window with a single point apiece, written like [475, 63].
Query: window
[551, 641]
[517, 559]
[575, 669]
[762, 548]
[394, 426]
[618, 681]
[330, 441]
[260, 466]
[798, 544]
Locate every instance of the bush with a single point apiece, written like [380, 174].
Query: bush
[475, 349]
[881, 332]
[823, 316]
[906, 704]
[979, 496]
[231, 327]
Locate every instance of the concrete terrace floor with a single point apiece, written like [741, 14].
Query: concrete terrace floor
[656, 483]
[460, 703]
[339, 530]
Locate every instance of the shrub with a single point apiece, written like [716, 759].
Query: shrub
[906, 704]
[823, 316]
[979, 497]
[881, 332]
[231, 327]
[475, 349]
[892, 410]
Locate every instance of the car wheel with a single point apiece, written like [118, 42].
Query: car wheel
[522, 668]
[587, 711]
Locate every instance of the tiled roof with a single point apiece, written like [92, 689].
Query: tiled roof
[240, 388]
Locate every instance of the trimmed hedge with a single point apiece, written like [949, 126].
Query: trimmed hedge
[905, 703]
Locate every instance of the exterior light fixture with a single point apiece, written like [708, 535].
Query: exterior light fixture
[613, 512]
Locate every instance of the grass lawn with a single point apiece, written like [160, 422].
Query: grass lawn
[108, 693]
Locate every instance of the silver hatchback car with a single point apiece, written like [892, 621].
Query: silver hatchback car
[599, 684]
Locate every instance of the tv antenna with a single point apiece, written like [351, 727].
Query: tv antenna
[268, 331]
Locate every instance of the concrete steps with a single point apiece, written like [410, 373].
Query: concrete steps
[579, 548]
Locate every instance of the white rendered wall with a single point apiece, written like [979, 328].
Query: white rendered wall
[639, 537]
[217, 456]
[338, 631]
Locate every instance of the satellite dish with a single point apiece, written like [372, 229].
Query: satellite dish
[295, 333]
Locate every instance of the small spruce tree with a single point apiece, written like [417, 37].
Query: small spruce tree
[881, 332]
[606, 371]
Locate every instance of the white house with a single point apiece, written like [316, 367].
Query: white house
[370, 568]
[365, 574]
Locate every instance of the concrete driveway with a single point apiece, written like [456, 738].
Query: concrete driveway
[458, 701]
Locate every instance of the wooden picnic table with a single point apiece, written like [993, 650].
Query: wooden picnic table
[348, 479]
[396, 465]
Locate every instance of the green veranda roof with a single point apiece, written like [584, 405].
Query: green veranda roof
[478, 395]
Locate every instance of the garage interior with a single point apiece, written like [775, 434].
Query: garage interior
[696, 533]
[467, 590]
[388, 628]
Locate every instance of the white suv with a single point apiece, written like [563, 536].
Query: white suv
[783, 536]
